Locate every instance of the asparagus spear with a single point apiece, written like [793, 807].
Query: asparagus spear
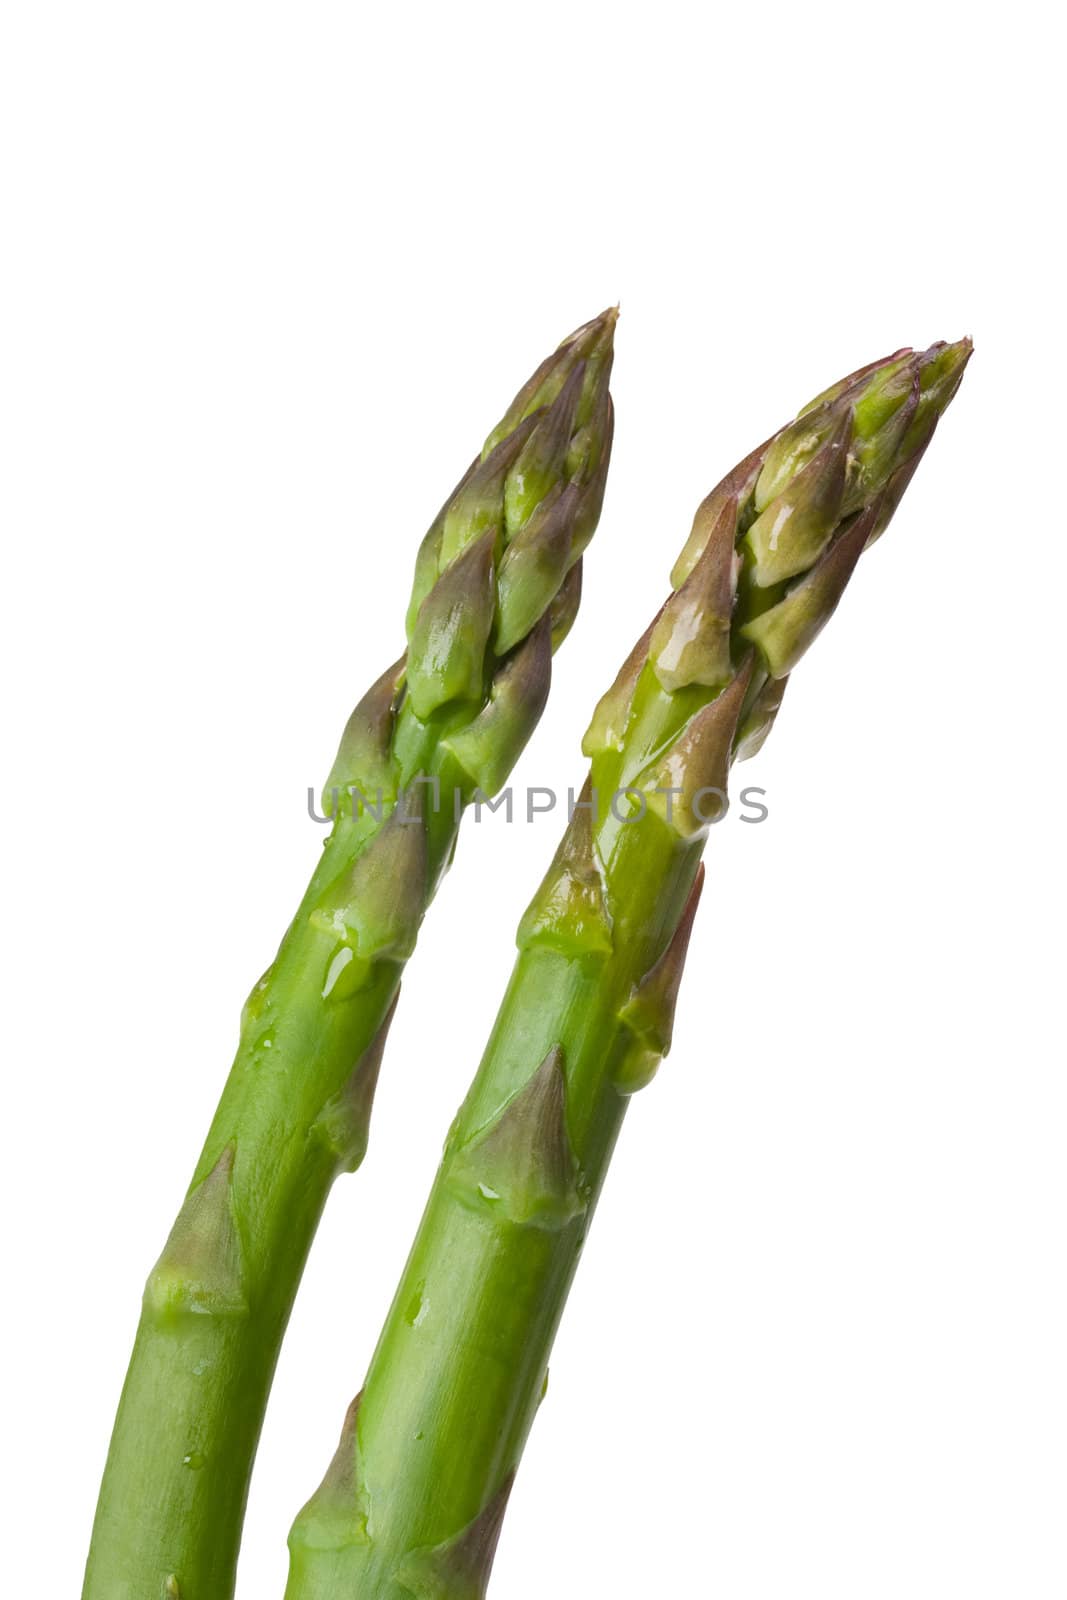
[496, 588]
[413, 1501]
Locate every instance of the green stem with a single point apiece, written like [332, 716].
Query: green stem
[217, 1303]
[413, 1501]
[496, 588]
[462, 1362]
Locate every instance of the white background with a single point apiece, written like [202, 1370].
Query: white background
[270, 274]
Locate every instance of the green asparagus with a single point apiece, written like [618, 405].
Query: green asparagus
[496, 588]
[413, 1500]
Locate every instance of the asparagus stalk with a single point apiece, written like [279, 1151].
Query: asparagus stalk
[496, 588]
[413, 1501]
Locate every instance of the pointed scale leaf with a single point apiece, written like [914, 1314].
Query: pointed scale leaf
[446, 655]
[479, 502]
[607, 729]
[336, 1515]
[893, 492]
[689, 789]
[200, 1271]
[757, 722]
[565, 603]
[874, 395]
[363, 758]
[839, 388]
[790, 451]
[783, 633]
[941, 370]
[648, 1014]
[539, 465]
[875, 455]
[596, 348]
[343, 1124]
[737, 485]
[428, 556]
[792, 531]
[458, 1568]
[569, 912]
[876, 398]
[489, 747]
[522, 1167]
[534, 565]
[591, 343]
[593, 447]
[375, 906]
[690, 642]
